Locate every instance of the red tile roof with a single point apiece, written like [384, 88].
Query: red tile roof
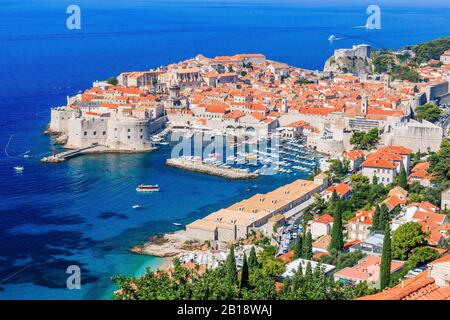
[354, 154]
[363, 216]
[287, 257]
[341, 189]
[420, 287]
[325, 219]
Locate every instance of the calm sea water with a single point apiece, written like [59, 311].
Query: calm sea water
[79, 212]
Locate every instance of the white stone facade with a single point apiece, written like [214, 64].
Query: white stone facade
[119, 133]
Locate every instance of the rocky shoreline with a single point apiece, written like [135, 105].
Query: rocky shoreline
[168, 245]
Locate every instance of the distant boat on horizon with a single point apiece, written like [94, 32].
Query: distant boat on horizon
[137, 206]
[177, 224]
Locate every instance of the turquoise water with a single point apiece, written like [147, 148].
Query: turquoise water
[79, 212]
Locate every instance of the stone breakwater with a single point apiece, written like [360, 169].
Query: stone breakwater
[228, 173]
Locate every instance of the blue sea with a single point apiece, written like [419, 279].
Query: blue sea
[79, 212]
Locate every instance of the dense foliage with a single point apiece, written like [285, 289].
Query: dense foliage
[257, 282]
[420, 256]
[342, 260]
[429, 112]
[313, 285]
[440, 165]
[407, 237]
[338, 169]
[337, 237]
[419, 193]
[112, 81]
[395, 65]
[431, 50]
[365, 140]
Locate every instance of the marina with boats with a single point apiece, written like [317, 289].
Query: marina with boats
[253, 156]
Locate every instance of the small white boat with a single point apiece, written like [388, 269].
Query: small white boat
[177, 224]
[137, 206]
[332, 37]
[147, 188]
[19, 169]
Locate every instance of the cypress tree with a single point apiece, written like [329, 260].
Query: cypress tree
[402, 179]
[286, 288]
[252, 259]
[374, 180]
[308, 271]
[244, 273]
[337, 238]
[298, 248]
[384, 217]
[376, 218]
[317, 271]
[386, 258]
[417, 157]
[307, 246]
[300, 270]
[334, 197]
[230, 267]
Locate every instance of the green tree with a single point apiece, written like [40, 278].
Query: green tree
[264, 289]
[339, 168]
[386, 258]
[272, 267]
[342, 260]
[112, 81]
[252, 259]
[440, 165]
[417, 157]
[244, 273]
[429, 112]
[307, 247]
[376, 218]
[420, 256]
[308, 271]
[337, 238]
[427, 51]
[334, 197]
[298, 248]
[231, 270]
[374, 180]
[407, 237]
[402, 178]
[359, 180]
[365, 140]
[384, 217]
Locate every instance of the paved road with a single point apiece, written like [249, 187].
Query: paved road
[445, 122]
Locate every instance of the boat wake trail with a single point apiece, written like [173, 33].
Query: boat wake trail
[20, 157]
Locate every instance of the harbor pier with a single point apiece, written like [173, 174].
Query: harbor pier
[197, 166]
